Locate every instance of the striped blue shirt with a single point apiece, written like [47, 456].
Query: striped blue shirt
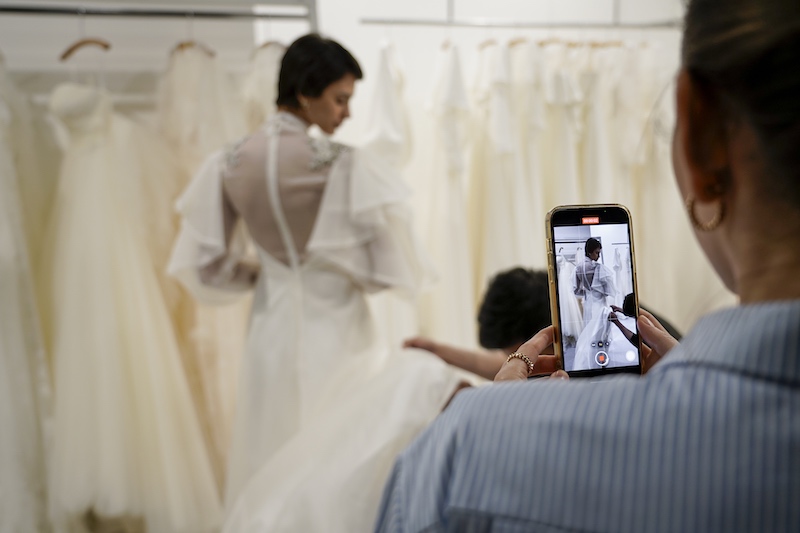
[708, 441]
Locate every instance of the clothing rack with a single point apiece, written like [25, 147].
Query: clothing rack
[451, 21]
[242, 13]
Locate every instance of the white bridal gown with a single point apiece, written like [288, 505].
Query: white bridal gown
[200, 112]
[571, 317]
[126, 439]
[320, 415]
[499, 198]
[260, 85]
[447, 312]
[593, 282]
[24, 383]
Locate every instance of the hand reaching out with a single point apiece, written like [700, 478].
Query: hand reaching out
[423, 343]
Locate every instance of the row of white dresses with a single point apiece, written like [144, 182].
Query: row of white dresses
[145, 378]
[134, 423]
[546, 125]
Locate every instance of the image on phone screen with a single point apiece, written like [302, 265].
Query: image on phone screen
[595, 293]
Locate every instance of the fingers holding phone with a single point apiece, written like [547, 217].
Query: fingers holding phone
[532, 359]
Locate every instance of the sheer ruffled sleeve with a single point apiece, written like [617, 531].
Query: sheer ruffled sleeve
[603, 281]
[208, 255]
[365, 225]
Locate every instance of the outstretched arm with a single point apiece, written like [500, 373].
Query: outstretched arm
[485, 363]
[631, 336]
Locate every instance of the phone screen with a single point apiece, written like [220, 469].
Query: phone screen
[593, 274]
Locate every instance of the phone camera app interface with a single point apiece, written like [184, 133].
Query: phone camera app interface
[595, 296]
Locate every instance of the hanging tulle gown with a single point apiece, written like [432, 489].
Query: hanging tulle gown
[260, 85]
[447, 312]
[126, 438]
[25, 392]
[563, 99]
[531, 121]
[200, 112]
[571, 316]
[599, 167]
[389, 137]
[499, 215]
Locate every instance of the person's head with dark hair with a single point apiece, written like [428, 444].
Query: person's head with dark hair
[629, 305]
[516, 306]
[593, 249]
[736, 147]
[317, 80]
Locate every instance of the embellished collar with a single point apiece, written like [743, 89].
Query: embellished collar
[285, 121]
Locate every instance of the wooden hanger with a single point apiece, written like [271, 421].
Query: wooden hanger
[266, 44]
[80, 43]
[605, 44]
[551, 40]
[183, 45]
[516, 42]
[487, 43]
[269, 43]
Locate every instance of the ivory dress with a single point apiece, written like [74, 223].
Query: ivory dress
[531, 121]
[24, 379]
[260, 85]
[571, 317]
[200, 112]
[499, 212]
[447, 312]
[126, 439]
[389, 137]
[330, 224]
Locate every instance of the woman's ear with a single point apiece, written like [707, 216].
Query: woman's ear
[703, 139]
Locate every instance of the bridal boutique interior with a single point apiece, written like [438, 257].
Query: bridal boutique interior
[117, 389]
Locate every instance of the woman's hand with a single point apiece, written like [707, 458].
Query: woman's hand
[423, 343]
[517, 370]
[657, 341]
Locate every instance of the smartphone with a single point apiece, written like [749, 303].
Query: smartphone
[593, 298]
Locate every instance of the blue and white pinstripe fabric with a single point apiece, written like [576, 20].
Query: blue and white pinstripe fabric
[708, 441]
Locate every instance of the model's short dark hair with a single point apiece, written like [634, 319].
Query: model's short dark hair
[516, 306]
[592, 244]
[311, 64]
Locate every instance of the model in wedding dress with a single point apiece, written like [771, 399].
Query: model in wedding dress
[321, 411]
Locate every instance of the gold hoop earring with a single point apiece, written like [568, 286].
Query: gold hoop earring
[712, 224]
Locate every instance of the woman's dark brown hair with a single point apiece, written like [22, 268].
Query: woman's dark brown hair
[746, 53]
[311, 64]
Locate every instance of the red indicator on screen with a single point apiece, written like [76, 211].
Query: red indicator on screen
[590, 220]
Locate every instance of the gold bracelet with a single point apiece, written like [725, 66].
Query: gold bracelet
[524, 358]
